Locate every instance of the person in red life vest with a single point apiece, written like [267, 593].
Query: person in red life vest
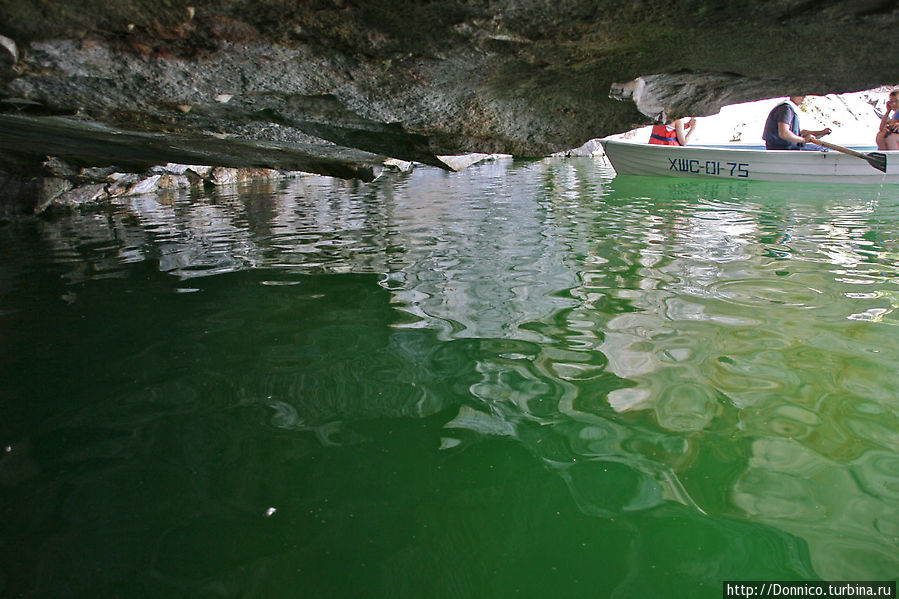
[676, 133]
[888, 135]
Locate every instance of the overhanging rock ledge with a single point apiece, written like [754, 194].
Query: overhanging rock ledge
[338, 86]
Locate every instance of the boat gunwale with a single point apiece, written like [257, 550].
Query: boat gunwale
[803, 166]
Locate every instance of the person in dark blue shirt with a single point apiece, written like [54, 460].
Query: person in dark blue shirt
[782, 130]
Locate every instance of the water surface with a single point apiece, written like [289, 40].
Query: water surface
[525, 379]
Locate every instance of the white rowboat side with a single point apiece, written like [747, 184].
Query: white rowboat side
[629, 158]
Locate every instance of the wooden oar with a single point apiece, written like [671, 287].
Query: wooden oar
[875, 159]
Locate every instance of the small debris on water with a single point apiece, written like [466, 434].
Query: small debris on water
[270, 512]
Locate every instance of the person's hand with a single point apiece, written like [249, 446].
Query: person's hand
[825, 131]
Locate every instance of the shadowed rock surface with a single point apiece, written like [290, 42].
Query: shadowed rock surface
[338, 86]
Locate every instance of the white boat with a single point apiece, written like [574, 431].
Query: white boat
[743, 164]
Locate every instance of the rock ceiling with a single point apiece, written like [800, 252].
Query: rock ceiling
[337, 86]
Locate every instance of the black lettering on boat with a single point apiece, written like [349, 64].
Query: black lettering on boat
[743, 169]
[673, 166]
[694, 162]
[732, 166]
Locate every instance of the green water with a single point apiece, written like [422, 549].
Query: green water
[528, 379]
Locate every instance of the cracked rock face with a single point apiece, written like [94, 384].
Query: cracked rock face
[338, 86]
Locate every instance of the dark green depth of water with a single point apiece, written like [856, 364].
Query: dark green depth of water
[527, 379]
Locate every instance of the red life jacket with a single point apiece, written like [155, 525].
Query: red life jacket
[663, 136]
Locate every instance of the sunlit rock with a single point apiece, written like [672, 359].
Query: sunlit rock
[169, 181]
[9, 55]
[121, 183]
[457, 163]
[229, 176]
[403, 166]
[78, 196]
[148, 185]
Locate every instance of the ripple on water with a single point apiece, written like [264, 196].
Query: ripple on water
[748, 379]
[841, 510]
[777, 496]
[638, 347]
[790, 421]
[759, 293]
[686, 407]
[878, 474]
[604, 487]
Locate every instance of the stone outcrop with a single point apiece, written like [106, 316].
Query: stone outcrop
[339, 86]
[65, 188]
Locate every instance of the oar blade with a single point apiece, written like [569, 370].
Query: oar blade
[877, 160]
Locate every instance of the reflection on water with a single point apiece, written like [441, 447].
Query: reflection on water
[724, 350]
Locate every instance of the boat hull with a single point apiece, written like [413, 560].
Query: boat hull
[738, 164]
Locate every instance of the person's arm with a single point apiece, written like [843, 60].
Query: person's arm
[886, 123]
[679, 129]
[811, 135]
[783, 130]
[689, 127]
